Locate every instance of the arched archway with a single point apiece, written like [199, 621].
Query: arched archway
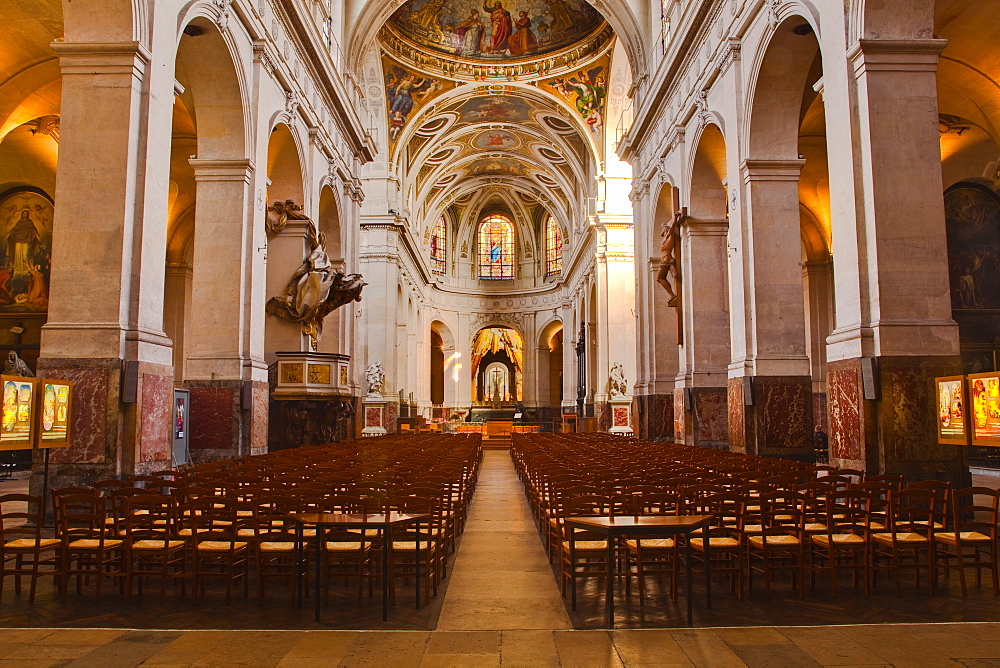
[497, 344]
[768, 324]
[700, 395]
[549, 370]
[285, 250]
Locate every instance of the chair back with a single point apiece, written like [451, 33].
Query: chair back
[17, 519]
[975, 509]
[912, 511]
[81, 516]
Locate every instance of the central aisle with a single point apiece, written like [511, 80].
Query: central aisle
[501, 579]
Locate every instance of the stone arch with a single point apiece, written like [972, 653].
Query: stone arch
[207, 67]
[284, 166]
[708, 198]
[549, 368]
[444, 365]
[782, 68]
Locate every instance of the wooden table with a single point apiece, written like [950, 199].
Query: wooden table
[660, 526]
[360, 522]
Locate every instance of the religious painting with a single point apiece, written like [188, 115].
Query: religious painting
[319, 374]
[406, 90]
[952, 410]
[25, 251]
[587, 91]
[290, 373]
[972, 214]
[495, 30]
[984, 389]
[17, 424]
[495, 109]
[496, 140]
[57, 407]
[497, 166]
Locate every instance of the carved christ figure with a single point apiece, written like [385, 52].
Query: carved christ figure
[668, 257]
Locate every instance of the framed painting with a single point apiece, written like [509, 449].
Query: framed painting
[56, 412]
[25, 250]
[984, 390]
[952, 422]
[17, 421]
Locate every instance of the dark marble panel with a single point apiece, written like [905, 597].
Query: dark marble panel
[156, 411]
[259, 418]
[95, 420]
[711, 416]
[737, 415]
[908, 407]
[786, 409]
[844, 394]
[214, 418]
[680, 417]
[391, 410]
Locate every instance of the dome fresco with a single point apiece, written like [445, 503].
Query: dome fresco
[495, 30]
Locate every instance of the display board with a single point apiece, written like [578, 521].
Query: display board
[17, 423]
[54, 415]
[984, 416]
[952, 401]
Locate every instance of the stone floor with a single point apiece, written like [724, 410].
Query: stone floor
[501, 605]
[924, 645]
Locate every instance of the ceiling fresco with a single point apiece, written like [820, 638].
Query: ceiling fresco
[407, 91]
[495, 30]
[587, 91]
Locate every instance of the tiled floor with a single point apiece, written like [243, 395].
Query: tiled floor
[501, 606]
[973, 645]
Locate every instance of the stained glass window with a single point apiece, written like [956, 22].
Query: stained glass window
[664, 22]
[496, 248]
[439, 247]
[553, 247]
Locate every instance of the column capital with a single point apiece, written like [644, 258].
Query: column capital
[705, 227]
[222, 170]
[895, 55]
[111, 58]
[771, 170]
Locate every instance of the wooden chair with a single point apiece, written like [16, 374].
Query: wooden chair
[780, 546]
[909, 542]
[23, 550]
[973, 541]
[725, 537]
[942, 495]
[214, 545]
[151, 549]
[654, 556]
[846, 542]
[88, 546]
[586, 555]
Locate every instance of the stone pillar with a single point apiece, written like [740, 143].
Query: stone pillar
[106, 305]
[899, 311]
[228, 419]
[285, 253]
[700, 413]
[769, 389]
[818, 289]
[571, 333]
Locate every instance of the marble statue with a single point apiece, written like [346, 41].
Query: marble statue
[15, 366]
[618, 384]
[669, 268]
[375, 375]
[315, 290]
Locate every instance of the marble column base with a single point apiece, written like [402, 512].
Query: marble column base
[655, 416]
[897, 432]
[620, 411]
[98, 423]
[379, 415]
[706, 425]
[221, 427]
[779, 421]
